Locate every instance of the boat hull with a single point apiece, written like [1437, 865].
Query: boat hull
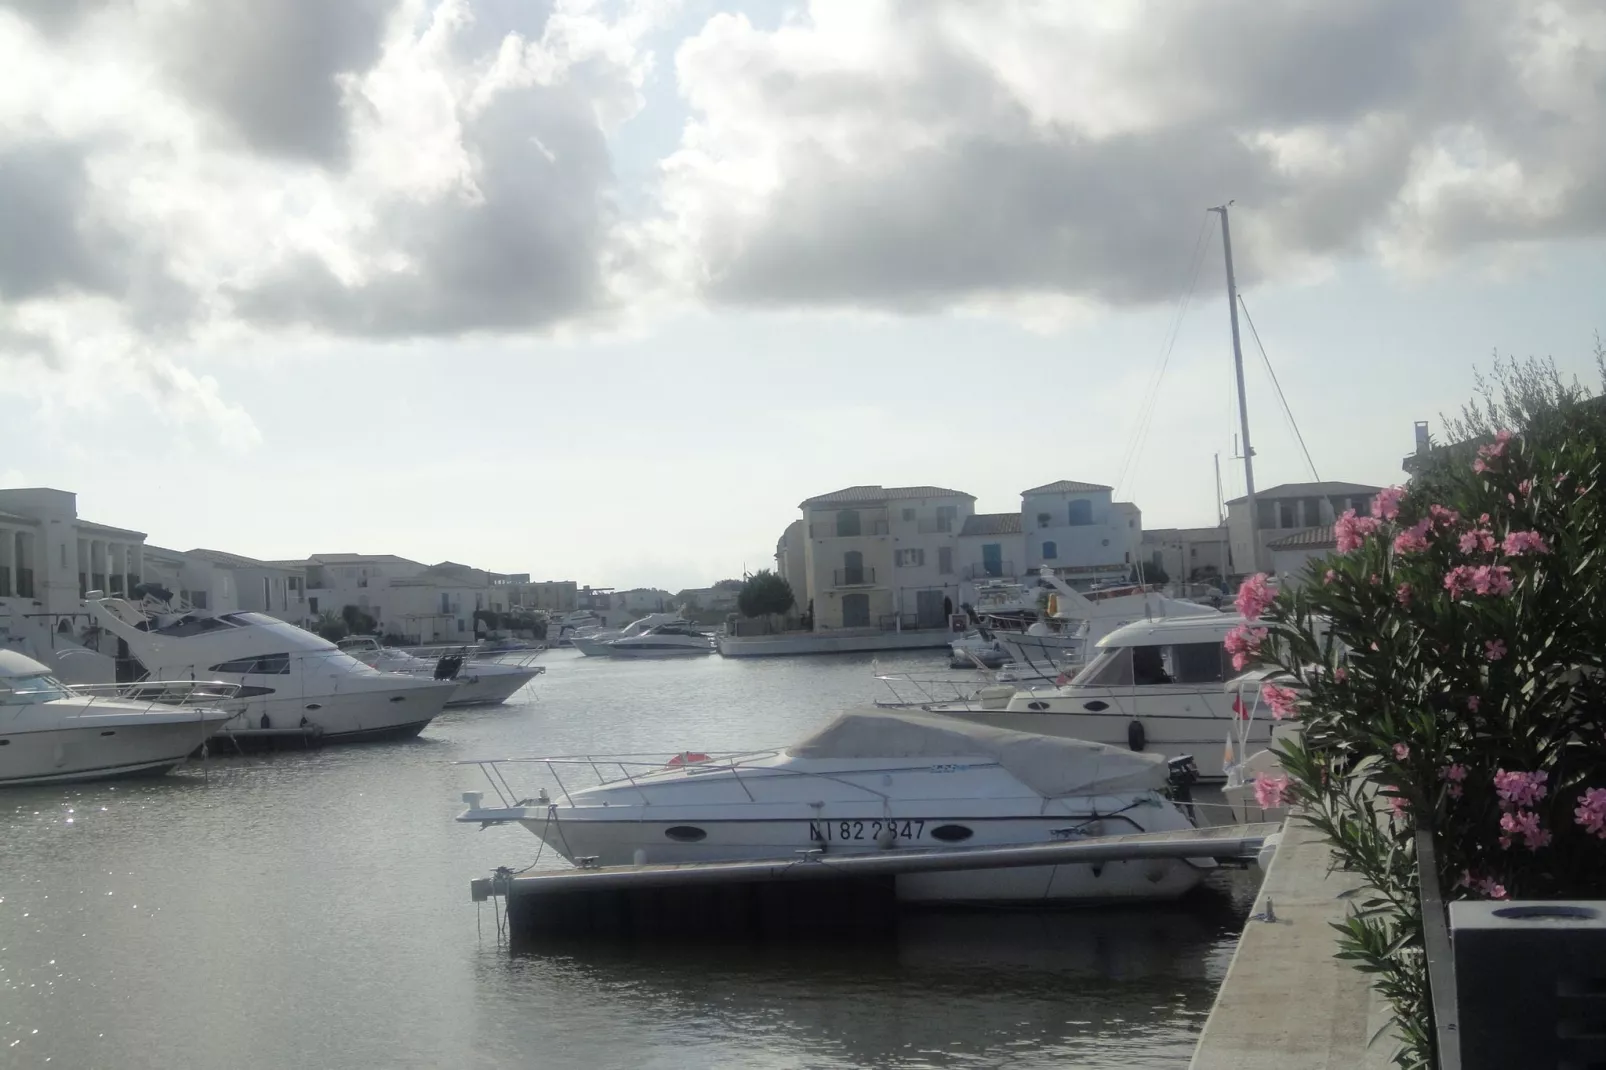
[356, 716]
[622, 843]
[479, 688]
[84, 753]
[618, 651]
[591, 646]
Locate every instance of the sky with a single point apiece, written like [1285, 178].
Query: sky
[602, 289]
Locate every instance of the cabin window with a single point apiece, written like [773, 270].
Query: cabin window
[28, 690]
[1079, 513]
[1050, 551]
[1112, 668]
[1197, 663]
[262, 664]
[1149, 668]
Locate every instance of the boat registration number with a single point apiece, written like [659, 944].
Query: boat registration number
[835, 831]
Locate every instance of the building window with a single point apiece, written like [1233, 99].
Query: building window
[1193, 551]
[847, 522]
[945, 560]
[198, 600]
[910, 558]
[1050, 551]
[460, 624]
[312, 606]
[1127, 557]
[1044, 520]
[946, 515]
[908, 515]
[1079, 513]
[1286, 514]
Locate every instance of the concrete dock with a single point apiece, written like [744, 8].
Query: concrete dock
[1287, 1003]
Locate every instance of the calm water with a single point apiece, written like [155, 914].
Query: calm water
[311, 910]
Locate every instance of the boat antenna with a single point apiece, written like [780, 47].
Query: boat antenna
[1238, 369]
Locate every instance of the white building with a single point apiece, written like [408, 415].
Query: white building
[1285, 509]
[883, 557]
[790, 561]
[1291, 552]
[1076, 529]
[199, 582]
[270, 587]
[640, 601]
[1187, 555]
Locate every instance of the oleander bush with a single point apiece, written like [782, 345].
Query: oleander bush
[1445, 666]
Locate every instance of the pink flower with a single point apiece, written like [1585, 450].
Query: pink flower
[1255, 596]
[1525, 488]
[1483, 520]
[1242, 643]
[1443, 517]
[1561, 479]
[1478, 466]
[1473, 703]
[1458, 581]
[1280, 699]
[1455, 791]
[1403, 595]
[1490, 888]
[1413, 539]
[1401, 752]
[1386, 506]
[1520, 789]
[1492, 579]
[1525, 542]
[1340, 675]
[1397, 803]
[1329, 576]
[1591, 812]
[1351, 530]
[1269, 791]
[1477, 539]
[1455, 772]
[1494, 649]
[1522, 825]
[1491, 452]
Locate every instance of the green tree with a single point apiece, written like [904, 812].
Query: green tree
[331, 626]
[358, 621]
[764, 594]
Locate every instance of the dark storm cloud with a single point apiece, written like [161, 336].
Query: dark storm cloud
[271, 69]
[990, 199]
[526, 250]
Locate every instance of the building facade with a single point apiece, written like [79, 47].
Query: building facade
[1285, 509]
[790, 561]
[883, 557]
[1187, 555]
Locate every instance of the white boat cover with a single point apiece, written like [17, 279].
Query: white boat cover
[1049, 765]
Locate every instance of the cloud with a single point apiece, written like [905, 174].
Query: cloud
[276, 72]
[54, 17]
[913, 155]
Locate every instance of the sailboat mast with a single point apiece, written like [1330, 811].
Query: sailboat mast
[1243, 410]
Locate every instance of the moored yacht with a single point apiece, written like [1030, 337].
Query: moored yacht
[288, 678]
[873, 782]
[479, 682]
[51, 734]
[1154, 686]
[663, 641]
[592, 644]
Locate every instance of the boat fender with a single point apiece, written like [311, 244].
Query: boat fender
[887, 836]
[1135, 736]
[265, 722]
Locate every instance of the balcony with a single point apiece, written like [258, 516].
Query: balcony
[996, 570]
[850, 524]
[853, 577]
[946, 525]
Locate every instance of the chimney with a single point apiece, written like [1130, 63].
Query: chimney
[1421, 437]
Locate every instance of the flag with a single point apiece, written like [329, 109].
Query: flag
[1239, 708]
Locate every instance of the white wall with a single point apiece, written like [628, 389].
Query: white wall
[1110, 537]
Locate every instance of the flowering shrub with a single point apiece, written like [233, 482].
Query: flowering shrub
[1446, 668]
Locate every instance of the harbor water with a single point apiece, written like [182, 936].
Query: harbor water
[311, 909]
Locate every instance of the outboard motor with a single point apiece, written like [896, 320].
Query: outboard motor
[448, 667]
[1184, 774]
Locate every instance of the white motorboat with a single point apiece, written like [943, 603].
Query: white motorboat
[50, 733]
[1154, 686]
[592, 644]
[662, 641]
[289, 680]
[480, 682]
[873, 782]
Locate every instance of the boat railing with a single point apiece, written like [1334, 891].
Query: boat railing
[632, 768]
[518, 659]
[911, 691]
[158, 696]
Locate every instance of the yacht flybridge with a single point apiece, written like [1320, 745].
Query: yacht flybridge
[288, 678]
[1154, 686]
[872, 782]
[51, 733]
[478, 682]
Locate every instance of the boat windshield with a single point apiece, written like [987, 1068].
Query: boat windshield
[30, 690]
[1112, 668]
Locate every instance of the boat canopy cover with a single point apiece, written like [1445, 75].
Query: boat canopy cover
[1049, 765]
[15, 663]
